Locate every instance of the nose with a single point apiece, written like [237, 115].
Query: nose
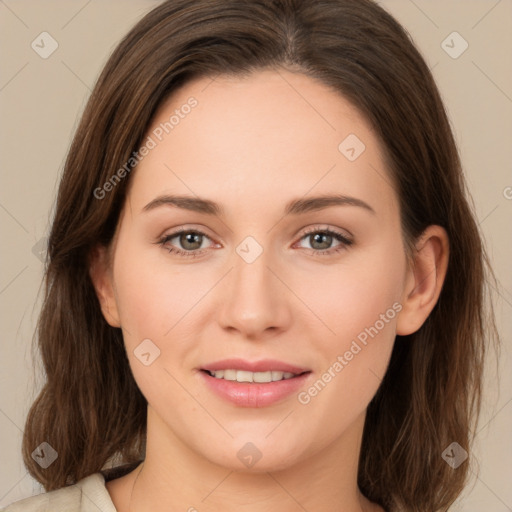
[256, 301]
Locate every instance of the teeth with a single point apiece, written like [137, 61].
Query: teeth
[263, 377]
[242, 376]
[245, 376]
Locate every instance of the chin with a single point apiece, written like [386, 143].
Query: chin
[257, 456]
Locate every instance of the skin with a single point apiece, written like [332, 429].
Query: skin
[252, 144]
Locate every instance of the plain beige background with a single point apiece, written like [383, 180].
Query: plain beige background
[41, 99]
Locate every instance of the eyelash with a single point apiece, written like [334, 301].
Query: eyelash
[344, 242]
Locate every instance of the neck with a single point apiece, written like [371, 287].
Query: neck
[174, 477]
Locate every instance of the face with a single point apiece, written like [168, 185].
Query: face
[272, 279]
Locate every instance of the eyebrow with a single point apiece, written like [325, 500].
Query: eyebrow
[294, 207]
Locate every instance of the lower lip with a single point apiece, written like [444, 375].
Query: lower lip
[251, 394]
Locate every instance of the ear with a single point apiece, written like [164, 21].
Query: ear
[101, 276]
[424, 279]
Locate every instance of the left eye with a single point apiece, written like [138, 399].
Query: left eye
[191, 242]
[321, 241]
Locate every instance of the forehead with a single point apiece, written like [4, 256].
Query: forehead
[260, 139]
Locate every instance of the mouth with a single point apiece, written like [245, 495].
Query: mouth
[254, 384]
[255, 377]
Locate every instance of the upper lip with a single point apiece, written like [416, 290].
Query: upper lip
[264, 365]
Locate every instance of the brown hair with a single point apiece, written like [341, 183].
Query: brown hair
[90, 408]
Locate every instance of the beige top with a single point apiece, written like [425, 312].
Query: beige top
[88, 495]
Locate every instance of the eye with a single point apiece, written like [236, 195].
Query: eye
[191, 241]
[321, 241]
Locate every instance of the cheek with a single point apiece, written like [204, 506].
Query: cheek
[352, 296]
[360, 305]
[153, 294]
[364, 332]
[153, 299]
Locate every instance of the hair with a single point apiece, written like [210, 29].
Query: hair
[90, 408]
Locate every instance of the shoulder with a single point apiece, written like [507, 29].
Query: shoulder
[87, 495]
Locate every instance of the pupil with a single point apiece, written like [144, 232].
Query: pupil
[323, 235]
[190, 238]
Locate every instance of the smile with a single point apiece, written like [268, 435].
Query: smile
[247, 376]
[266, 383]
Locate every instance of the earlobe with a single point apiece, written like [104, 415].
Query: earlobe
[102, 280]
[424, 280]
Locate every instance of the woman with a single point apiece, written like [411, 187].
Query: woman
[265, 285]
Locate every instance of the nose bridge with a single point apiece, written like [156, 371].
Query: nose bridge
[255, 300]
